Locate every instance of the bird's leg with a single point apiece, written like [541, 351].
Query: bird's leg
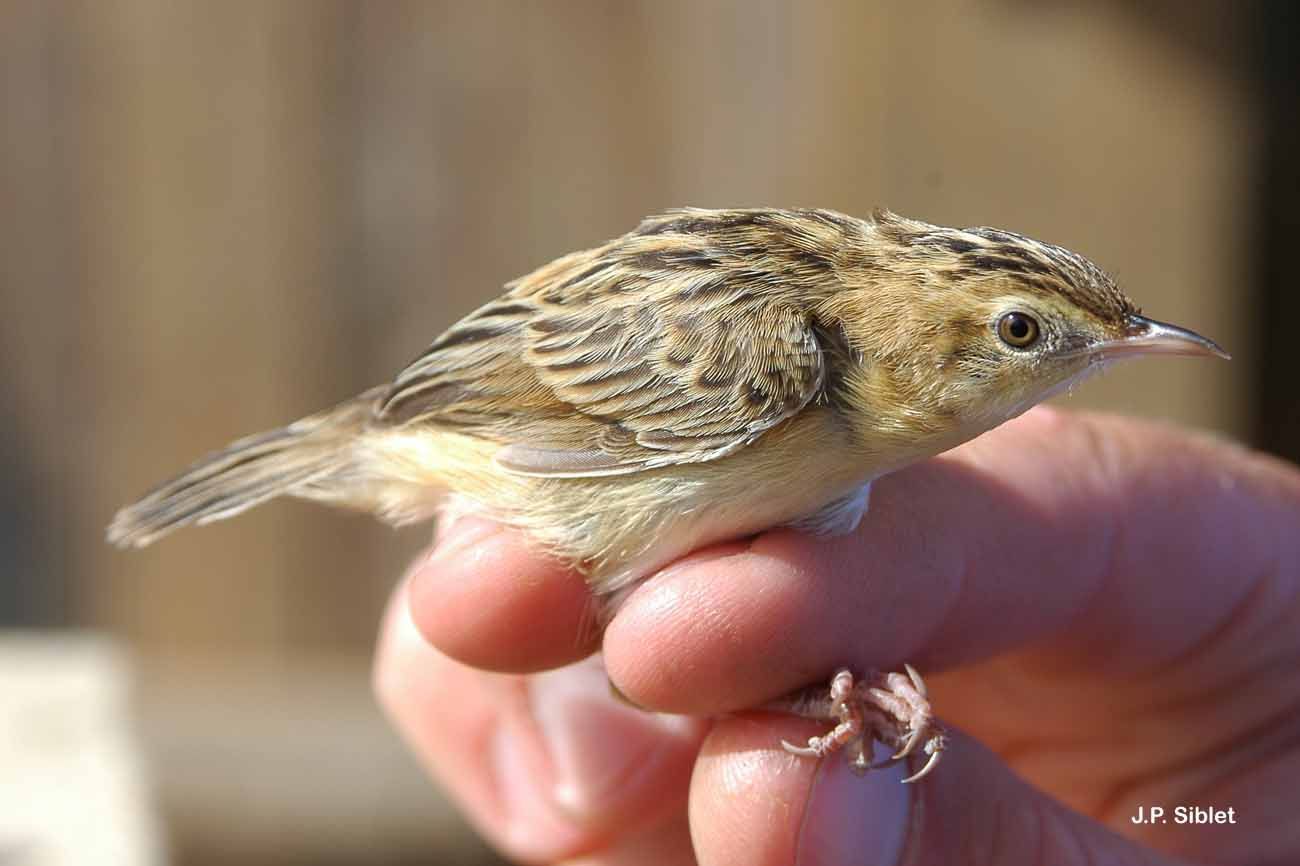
[839, 704]
[892, 709]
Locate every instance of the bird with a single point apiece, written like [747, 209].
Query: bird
[709, 375]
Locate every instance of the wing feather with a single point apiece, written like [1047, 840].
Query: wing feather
[653, 350]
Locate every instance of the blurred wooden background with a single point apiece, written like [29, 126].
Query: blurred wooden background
[217, 217]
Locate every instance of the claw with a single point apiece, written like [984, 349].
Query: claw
[917, 681]
[808, 751]
[898, 714]
[924, 771]
[909, 745]
[859, 762]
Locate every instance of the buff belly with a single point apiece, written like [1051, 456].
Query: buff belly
[618, 530]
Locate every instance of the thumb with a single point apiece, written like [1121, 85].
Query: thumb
[753, 803]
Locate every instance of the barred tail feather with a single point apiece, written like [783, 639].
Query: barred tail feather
[308, 458]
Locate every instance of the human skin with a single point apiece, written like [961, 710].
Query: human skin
[1107, 613]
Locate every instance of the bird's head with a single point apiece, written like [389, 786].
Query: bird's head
[976, 325]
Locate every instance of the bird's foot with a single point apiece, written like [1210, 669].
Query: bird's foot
[893, 709]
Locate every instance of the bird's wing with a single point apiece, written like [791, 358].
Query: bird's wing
[668, 385]
[637, 371]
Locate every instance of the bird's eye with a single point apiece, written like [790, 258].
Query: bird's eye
[1018, 330]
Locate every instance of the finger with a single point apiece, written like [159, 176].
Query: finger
[667, 844]
[548, 767]
[486, 598]
[754, 804]
[1115, 543]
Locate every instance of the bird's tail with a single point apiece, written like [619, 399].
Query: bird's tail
[310, 458]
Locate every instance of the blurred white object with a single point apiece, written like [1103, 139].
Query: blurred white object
[72, 788]
[261, 758]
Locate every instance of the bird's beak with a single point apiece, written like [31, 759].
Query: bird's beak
[1148, 337]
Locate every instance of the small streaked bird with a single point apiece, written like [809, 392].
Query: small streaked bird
[710, 374]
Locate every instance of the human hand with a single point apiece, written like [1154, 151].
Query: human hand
[1114, 607]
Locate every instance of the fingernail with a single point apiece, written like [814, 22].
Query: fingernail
[856, 819]
[599, 745]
